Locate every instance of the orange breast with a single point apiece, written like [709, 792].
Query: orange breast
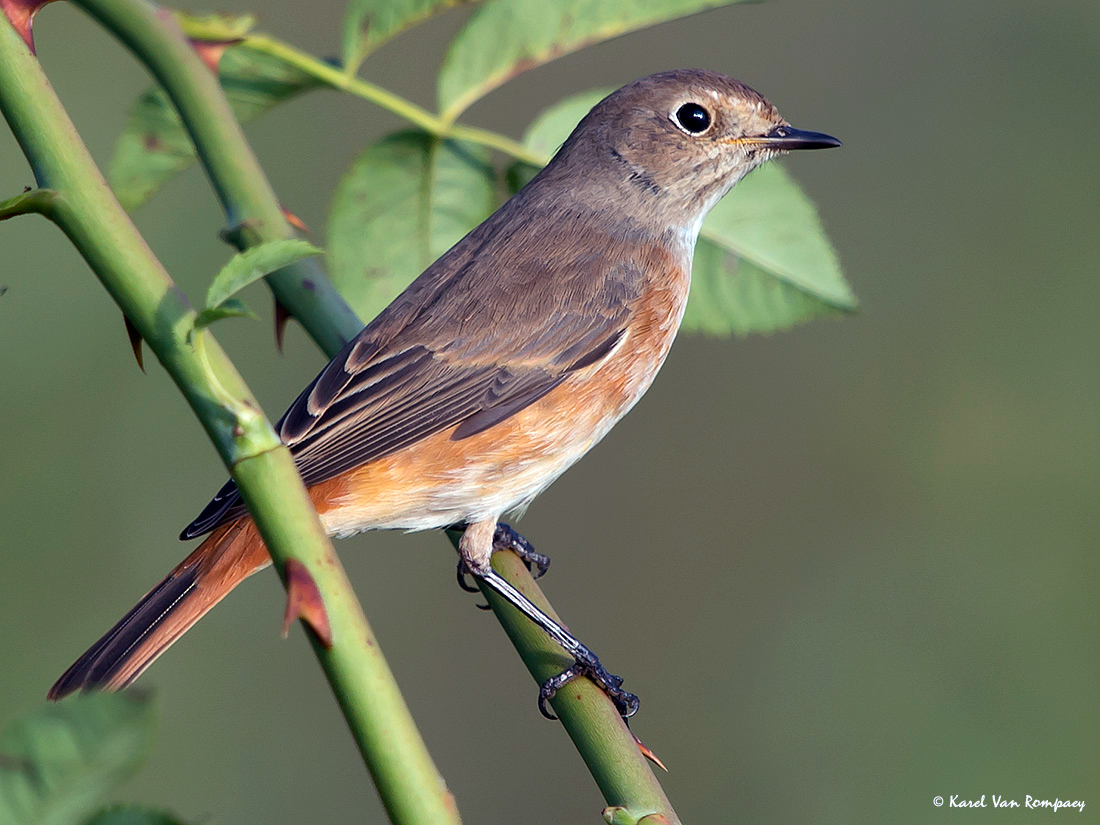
[439, 481]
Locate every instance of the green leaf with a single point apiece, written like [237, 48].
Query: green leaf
[506, 37]
[131, 815]
[214, 27]
[763, 261]
[154, 146]
[56, 764]
[231, 308]
[370, 23]
[404, 202]
[549, 130]
[729, 294]
[254, 263]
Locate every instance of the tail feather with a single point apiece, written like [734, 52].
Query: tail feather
[231, 554]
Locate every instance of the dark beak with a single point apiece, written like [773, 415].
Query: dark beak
[787, 138]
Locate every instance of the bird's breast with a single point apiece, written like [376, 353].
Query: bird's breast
[440, 480]
[629, 370]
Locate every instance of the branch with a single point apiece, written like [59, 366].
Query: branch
[417, 115]
[85, 209]
[590, 718]
[30, 202]
[252, 210]
[600, 735]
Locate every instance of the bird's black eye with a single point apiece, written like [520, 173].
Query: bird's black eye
[693, 118]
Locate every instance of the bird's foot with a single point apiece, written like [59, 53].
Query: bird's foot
[464, 576]
[588, 664]
[474, 565]
[506, 538]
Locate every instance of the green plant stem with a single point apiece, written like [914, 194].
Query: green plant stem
[590, 718]
[339, 79]
[411, 788]
[603, 740]
[252, 210]
[31, 202]
[86, 210]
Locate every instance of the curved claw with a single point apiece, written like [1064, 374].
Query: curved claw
[585, 661]
[549, 688]
[625, 702]
[463, 582]
[506, 538]
[463, 573]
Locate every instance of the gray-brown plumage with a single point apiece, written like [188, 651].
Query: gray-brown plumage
[509, 357]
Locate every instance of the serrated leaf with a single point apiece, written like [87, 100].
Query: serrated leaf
[730, 295]
[254, 263]
[404, 202]
[767, 228]
[56, 764]
[506, 37]
[131, 815]
[154, 146]
[231, 308]
[370, 23]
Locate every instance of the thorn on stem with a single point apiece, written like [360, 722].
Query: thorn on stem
[295, 221]
[21, 15]
[303, 601]
[282, 315]
[649, 754]
[135, 338]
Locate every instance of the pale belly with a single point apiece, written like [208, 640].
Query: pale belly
[438, 481]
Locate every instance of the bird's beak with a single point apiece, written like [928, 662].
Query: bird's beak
[787, 138]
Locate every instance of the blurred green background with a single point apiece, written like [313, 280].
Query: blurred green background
[848, 568]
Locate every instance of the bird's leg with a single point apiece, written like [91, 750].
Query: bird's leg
[505, 537]
[586, 663]
[476, 547]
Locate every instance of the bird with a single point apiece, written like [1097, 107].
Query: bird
[498, 367]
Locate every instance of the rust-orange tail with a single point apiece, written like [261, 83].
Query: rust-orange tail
[231, 554]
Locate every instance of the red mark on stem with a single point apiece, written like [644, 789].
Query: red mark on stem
[20, 14]
[648, 754]
[211, 51]
[295, 221]
[303, 601]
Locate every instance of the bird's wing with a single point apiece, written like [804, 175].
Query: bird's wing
[474, 352]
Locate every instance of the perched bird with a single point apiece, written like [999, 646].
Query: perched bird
[499, 366]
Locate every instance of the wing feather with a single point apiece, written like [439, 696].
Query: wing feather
[470, 343]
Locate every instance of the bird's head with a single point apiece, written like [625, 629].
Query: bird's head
[672, 144]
